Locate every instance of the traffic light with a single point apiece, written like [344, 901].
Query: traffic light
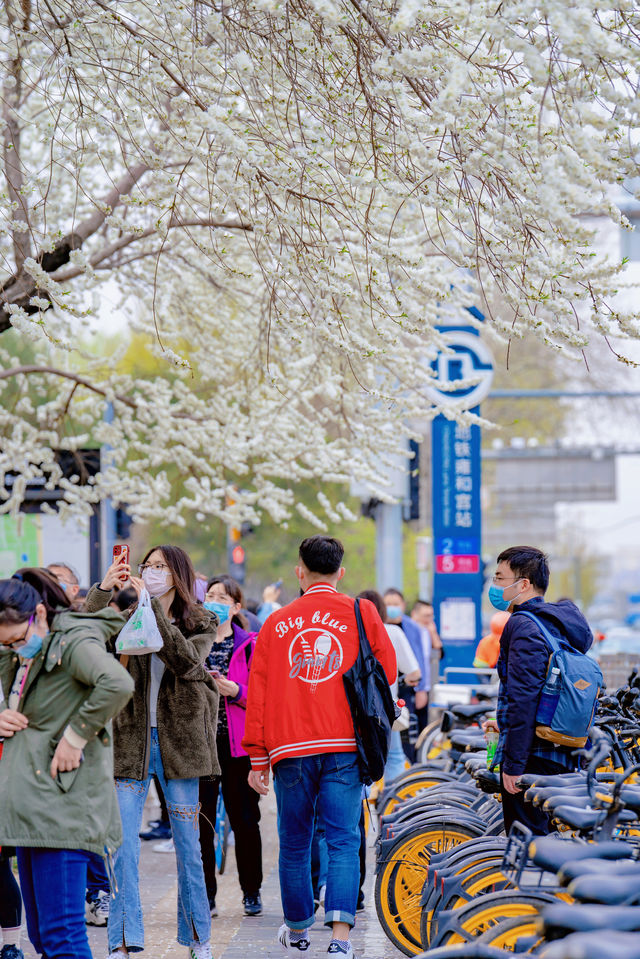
[123, 523]
[414, 481]
[236, 562]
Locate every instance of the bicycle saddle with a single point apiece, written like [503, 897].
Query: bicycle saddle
[562, 779]
[462, 739]
[613, 892]
[630, 796]
[551, 853]
[539, 794]
[561, 920]
[593, 945]
[598, 867]
[583, 819]
[488, 782]
[470, 711]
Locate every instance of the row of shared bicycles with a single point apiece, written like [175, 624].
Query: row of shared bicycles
[449, 884]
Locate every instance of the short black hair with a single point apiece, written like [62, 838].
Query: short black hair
[322, 554]
[125, 599]
[422, 602]
[392, 589]
[528, 562]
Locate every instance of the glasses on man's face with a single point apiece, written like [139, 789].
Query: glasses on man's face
[499, 580]
[158, 567]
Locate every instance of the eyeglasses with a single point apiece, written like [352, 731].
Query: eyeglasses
[23, 639]
[499, 581]
[158, 567]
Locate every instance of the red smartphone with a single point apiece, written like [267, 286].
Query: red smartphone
[215, 673]
[119, 551]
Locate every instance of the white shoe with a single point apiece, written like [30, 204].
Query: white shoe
[118, 954]
[165, 846]
[284, 939]
[337, 951]
[200, 950]
[96, 912]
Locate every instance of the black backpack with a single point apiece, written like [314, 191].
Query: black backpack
[372, 707]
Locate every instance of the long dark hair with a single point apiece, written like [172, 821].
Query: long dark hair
[233, 589]
[20, 595]
[181, 568]
[377, 601]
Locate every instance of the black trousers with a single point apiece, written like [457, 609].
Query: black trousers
[10, 899]
[243, 810]
[514, 807]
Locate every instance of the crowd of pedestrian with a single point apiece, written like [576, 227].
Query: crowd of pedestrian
[229, 697]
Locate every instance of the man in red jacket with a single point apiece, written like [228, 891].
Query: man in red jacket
[299, 722]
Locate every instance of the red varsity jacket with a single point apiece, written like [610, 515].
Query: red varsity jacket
[296, 704]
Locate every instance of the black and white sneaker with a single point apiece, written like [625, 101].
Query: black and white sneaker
[284, 938]
[335, 949]
[96, 911]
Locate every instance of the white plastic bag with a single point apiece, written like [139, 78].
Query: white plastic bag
[140, 634]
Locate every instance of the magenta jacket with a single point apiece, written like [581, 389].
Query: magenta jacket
[243, 646]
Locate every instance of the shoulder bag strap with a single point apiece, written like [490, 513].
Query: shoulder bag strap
[365, 645]
[555, 644]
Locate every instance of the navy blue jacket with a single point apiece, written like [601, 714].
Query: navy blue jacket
[522, 668]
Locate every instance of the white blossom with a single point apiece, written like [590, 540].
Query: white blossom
[290, 200]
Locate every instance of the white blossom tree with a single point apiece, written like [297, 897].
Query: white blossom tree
[289, 198]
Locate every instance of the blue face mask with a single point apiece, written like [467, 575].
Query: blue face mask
[220, 609]
[32, 646]
[394, 612]
[496, 596]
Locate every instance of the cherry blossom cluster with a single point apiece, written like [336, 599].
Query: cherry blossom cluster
[289, 200]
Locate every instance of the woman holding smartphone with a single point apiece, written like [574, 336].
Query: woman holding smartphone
[164, 730]
[59, 690]
[229, 662]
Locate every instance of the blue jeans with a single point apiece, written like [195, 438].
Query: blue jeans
[97, 878]
[53, 883]
[319, 857]
[125, 916]
[395, 760]
[332, 781]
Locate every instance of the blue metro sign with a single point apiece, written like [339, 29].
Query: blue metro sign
[456, 480]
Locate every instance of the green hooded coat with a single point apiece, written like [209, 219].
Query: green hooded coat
[72, 681]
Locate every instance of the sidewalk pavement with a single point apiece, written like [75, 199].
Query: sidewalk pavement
[234, 935]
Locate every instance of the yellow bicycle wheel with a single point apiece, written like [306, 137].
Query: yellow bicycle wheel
[400, 880]
[409, 789]
[478, 917]
[485, 881]
[506, 934]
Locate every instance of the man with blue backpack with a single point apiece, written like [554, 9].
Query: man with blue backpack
[548, 686]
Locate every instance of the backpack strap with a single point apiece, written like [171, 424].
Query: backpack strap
[363, 639]
[555, 644]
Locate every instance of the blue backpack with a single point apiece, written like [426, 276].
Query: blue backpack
[568, 699]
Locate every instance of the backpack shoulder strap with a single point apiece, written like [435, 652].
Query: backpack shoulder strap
[546, 635]
[365, 646]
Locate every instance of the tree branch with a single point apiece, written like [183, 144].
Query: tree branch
[20, 287]
[11, 96]
[79, 380]
[223, 223]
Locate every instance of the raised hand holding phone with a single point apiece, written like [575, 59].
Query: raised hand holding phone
[119, 571]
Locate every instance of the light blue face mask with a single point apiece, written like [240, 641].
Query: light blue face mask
[220, 609]
[496, 596]
[32, 646]
[394, 612]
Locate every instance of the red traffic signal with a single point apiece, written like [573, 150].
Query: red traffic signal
[237, 555]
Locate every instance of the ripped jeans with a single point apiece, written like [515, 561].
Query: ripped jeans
[125, 916]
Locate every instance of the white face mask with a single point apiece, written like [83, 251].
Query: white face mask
[156, 581]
